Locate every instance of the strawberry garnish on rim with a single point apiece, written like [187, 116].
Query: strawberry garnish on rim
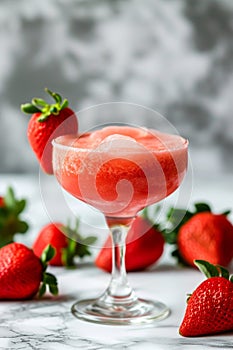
[48, 121]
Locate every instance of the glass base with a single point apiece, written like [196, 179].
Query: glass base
[135, 313]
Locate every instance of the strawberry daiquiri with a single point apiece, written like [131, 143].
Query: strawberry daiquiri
[120, 170]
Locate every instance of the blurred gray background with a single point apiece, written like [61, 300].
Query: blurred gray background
[175, 56]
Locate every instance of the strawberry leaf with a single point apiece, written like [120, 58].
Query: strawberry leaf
[29, 108]
[89, 240]
[9, 198]
[227, 212]
[47, 254]
[202, 207]
[175, 219]
[20, 206]
[69, 253]
[53, 289]
[38, 105]
[65, 104]
[211, 270]
[208, 269]
[22, 227]
[82, 250]
[54, 95]
[39, 102]
[42, 290]
[145, 213]
[10, 219]
[223, 272]
[48, 279]
[51, 281]
[77, 245]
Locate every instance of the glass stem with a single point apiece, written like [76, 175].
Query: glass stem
[119, 288]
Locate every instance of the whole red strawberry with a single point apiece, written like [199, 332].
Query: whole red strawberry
[144, 246]
[22, 273]
[210, 307]
[48, 121]
[203, 235]
[67, 243]
[10, 217]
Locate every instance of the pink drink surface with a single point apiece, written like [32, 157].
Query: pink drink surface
[120, 170]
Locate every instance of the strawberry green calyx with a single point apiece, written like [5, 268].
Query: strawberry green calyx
[10, 217]
[38, 105]
[211, 270]
[77, 245]
[47, 279]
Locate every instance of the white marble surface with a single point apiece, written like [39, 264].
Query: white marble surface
[48, 323]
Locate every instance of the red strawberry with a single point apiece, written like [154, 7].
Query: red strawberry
[144, 246]
[203, 235]
[22, 273]
[67, 243]
[10, 217]
[2, 202]
[210, 307]
[48, 122]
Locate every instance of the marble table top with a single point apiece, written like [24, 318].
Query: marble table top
[48, 323]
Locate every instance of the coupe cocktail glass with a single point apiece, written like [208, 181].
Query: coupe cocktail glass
[120, 170]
